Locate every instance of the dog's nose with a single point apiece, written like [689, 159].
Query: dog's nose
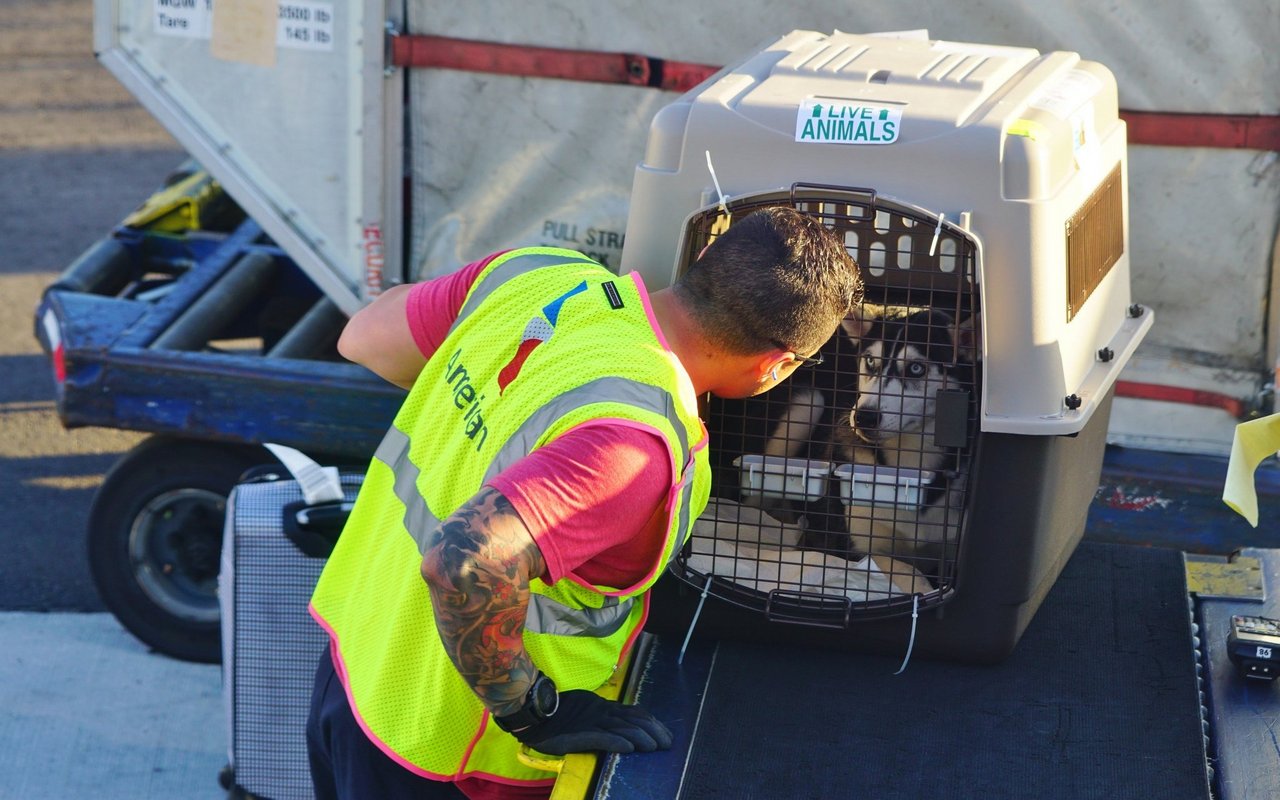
[866, 419]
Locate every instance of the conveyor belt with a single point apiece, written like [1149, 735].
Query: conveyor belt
[1244, 714]
[1099, 699]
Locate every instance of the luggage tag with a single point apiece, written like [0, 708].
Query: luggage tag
[314, 523]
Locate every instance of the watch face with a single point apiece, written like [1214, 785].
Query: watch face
[544, 696]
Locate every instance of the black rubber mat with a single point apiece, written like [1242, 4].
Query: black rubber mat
[1099, 700]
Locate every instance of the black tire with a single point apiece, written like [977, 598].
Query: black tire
[155, 541]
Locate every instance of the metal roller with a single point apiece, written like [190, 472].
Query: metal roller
[246, 280]
[105, 268]
[316, 331]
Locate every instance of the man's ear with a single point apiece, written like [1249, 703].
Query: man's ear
[767, 363]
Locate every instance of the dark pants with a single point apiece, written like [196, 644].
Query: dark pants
[344, 763]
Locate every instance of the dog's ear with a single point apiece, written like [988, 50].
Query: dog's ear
[860, 320]
[968, 339]
[855, 327]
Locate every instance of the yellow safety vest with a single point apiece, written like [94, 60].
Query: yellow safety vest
[546, 341]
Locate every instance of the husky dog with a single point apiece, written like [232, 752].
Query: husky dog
[906, 355]
[915, 354]
[787, 421]
[871, 402]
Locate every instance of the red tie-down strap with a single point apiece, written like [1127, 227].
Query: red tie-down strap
[1257, 132]
[1179, 394]
[1239, 131]
[443, 52]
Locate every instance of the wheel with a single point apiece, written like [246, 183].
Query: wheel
[155, 541]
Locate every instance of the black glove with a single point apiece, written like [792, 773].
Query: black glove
[584, 721]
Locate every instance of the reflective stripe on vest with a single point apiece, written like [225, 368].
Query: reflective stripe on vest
[545, 614]
[512, 268]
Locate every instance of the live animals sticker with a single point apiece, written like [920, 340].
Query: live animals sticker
[834, 121]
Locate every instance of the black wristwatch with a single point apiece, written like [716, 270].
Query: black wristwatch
[539, 704]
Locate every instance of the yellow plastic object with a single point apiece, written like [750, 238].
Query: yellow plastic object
[1235, 577]
[1254, 441]
[575, 771]
[1028, 128]
[178, 207]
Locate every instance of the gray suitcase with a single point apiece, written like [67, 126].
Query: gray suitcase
[270, 643]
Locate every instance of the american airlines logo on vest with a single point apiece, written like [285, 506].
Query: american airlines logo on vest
[536, 331]
[466, 398]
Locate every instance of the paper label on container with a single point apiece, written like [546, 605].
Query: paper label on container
[186, 18]
[1069, 98]
[300, 24]
[244, 30]
[1067, 94]
[305, 26]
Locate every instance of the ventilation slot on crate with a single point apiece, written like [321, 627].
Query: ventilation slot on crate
[1095, 240]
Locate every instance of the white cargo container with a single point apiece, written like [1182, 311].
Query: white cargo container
[292, 113]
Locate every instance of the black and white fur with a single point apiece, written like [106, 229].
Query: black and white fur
[870, 402]
[786, 421]
[905, 355]
[906, 360]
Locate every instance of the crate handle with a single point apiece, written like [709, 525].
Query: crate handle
[777, 615]
[854, 196]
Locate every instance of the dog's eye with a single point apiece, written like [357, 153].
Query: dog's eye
[916, 369]
[870, 362]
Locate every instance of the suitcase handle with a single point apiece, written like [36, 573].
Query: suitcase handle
[314, 529]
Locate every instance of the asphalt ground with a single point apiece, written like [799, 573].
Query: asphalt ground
[85, 709]
[77, 153]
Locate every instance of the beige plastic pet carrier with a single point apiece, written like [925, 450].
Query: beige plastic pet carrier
[926, 484]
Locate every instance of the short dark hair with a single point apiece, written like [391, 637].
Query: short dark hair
[775, 277]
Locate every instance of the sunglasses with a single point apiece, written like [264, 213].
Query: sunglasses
[808, 361]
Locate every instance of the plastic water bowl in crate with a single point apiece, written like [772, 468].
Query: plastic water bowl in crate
[783, 478]
[866, 485]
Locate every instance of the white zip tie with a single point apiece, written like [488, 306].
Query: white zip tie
[936, 231]
[915, 614]
[696, 613]
[724, 207]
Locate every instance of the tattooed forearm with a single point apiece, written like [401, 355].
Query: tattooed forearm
[477, 567]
